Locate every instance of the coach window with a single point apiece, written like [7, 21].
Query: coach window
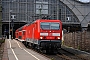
[17, 34]
[23, 33]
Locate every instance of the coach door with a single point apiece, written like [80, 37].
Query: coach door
[23, 33]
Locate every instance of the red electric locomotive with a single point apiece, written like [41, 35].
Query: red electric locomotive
[45, 35]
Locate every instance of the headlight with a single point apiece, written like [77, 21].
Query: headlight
[58, 37]
[41, 37]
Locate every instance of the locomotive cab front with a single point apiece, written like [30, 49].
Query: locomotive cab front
[50, 35]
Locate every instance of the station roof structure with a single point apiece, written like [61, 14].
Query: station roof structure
[81, 9]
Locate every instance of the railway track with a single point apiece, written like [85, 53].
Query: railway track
[61, 55]
[64, 55]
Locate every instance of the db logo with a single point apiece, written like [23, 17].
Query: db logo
[50, 34]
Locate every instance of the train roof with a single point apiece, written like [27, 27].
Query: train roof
[39, 20]
[47, 20]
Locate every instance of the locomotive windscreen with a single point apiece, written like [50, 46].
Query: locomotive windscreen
[50, 25]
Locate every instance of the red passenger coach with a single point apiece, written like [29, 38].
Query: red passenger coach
[45, 35]
[23, 32]
[20, 33]
[16, 34]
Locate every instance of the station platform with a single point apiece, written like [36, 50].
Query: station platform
[15, 50]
